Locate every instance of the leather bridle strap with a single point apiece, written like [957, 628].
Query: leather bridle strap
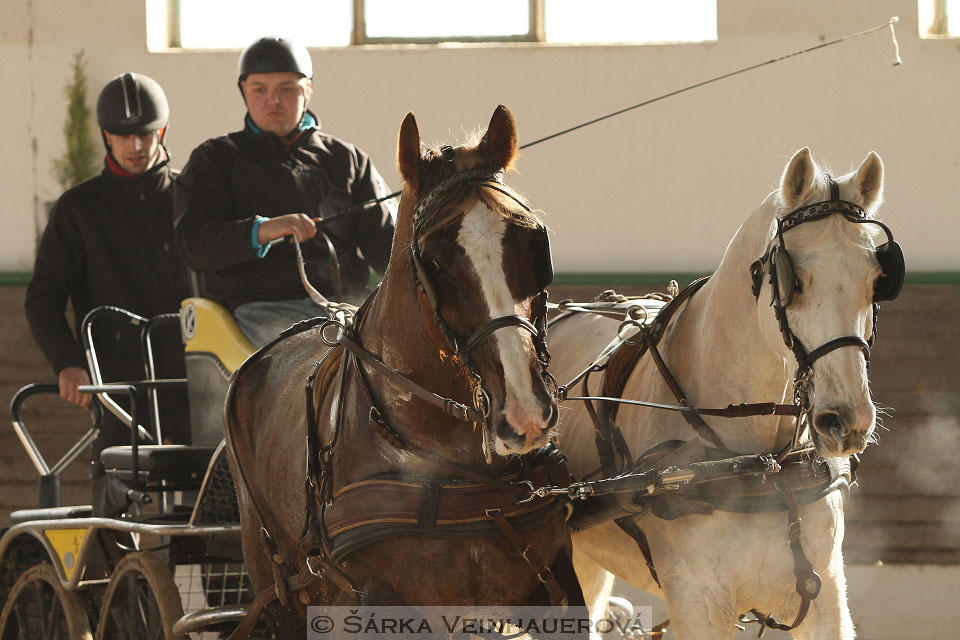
[449, 406]
[846, 341]
[500, 323]
[400, 441]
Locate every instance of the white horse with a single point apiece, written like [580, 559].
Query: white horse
[725, 346]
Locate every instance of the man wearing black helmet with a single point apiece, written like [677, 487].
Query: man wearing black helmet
[109, 241]
[241, 193]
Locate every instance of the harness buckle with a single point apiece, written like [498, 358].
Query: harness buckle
[481, 400]
[804, 394]
[341, 329]
[318, 572]
[455, 409]
[529, 485]
[551, 381]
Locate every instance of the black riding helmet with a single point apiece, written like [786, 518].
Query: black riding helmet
[272, 54]
[132, 103]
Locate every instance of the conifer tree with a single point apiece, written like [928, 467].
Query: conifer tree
[79, 160]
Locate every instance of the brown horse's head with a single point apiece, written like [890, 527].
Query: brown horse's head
[480, 258]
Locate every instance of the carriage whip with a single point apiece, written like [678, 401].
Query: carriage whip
[853, 36]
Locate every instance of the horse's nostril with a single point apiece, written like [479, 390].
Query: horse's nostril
[550, 415]
[829, 422]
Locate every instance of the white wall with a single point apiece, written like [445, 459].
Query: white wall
[661, 188]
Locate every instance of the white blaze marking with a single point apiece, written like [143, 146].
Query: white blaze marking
[481, 236]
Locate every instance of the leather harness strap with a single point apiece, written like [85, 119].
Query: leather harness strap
[625, 359]
[693, 419]
[808, 581]
[447, 405]
[532, 558]
[426, 502]
[251, 615]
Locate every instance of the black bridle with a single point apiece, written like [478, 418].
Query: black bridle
[462, 346]
[778, 264]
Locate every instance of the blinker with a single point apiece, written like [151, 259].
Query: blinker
[890, 282]
[543, 258]
[781, 265]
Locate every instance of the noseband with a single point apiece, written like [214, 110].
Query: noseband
[463, 347]
[777, 263]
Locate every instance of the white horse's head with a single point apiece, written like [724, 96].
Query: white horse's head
[825, 276]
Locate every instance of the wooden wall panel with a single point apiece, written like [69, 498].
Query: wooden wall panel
[905, 509]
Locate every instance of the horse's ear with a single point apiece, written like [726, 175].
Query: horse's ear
[500, 139]
[797, 180]
[408, 151]
[869, 181]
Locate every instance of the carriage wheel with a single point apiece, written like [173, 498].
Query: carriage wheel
[141, 601]
[39, 607]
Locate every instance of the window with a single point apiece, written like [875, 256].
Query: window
[218, 24]
[233, 24]
[933, 18]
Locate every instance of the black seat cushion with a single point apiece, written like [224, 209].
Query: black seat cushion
[159, 460]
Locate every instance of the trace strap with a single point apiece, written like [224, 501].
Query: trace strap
[743, 410]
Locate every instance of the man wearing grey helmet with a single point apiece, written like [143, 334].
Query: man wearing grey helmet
[242, 193]
[109, 241]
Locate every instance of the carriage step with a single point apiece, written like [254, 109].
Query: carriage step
[51, 513]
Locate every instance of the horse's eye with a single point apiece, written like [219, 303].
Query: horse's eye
[434, 266]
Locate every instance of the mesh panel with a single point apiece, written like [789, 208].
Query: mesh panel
[218, 499]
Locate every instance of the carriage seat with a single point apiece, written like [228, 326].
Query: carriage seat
[176, 464]
[214, 347]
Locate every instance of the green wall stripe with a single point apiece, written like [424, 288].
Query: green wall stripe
[20, 278]
[14, 278]
[623, 278]
[684, 277]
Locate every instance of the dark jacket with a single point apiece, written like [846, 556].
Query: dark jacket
[230, 180]
[109, 241]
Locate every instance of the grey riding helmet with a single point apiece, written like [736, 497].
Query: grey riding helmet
[132, 103]
[273, 54]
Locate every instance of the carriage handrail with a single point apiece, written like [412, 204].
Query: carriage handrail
[131, 389]
[94, 364]
[146, 347]
[38, 529]
[16, 405]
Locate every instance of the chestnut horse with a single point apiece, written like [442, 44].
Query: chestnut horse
[403, 501]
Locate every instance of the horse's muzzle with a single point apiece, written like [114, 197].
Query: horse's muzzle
[522, 428]
[841, 431]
